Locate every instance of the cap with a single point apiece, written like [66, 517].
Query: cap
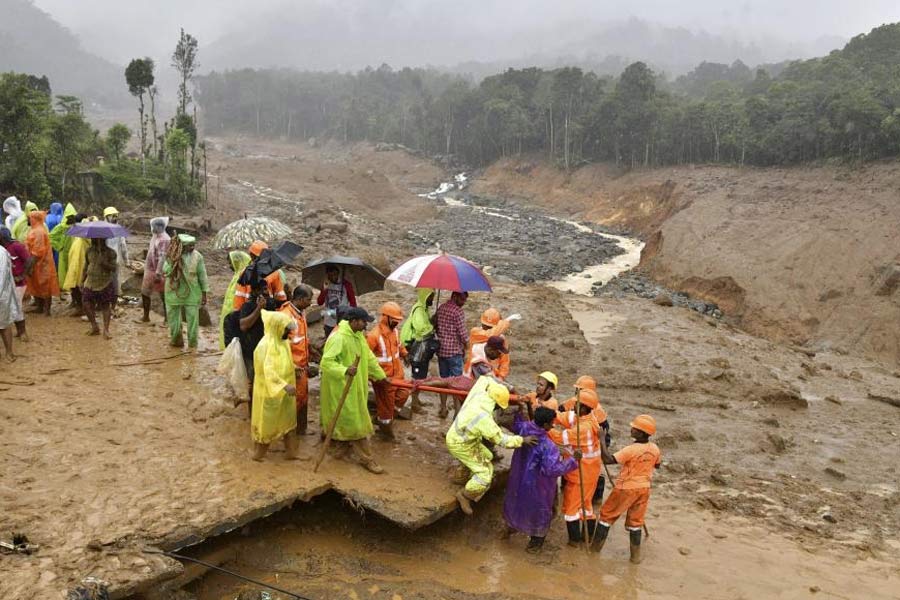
[585, 382]
[358, 312]
[392, 310]
[499, 394]
[490, 317]
[497, 343]
[550, 377]
[187, 239]
[257, 247]
[645, 423]
[110, 210]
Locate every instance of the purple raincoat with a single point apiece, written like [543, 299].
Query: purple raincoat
[531, 488]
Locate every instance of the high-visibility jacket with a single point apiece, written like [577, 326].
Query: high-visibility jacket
[587, 428]
[475, 422]
[299, 337]
[274, 283]
[599, 412]
[385, 344]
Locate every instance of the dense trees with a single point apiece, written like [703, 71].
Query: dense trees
[845, 105]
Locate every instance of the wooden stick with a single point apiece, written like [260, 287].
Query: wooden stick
[337, 414]
[584, 531]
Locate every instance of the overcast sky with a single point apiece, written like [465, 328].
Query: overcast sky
[121, 29]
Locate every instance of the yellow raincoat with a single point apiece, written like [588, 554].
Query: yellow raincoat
[274, 411]
[20, 227]
[474, 423]
[341, 349]
[76, 263]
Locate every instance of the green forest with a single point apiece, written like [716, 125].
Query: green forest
[49, 150]
[844, 106]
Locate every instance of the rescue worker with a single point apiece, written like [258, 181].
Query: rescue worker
[631, 493]
[274, 281]
[344, 347]
[384, 341]
[419, 329]
[491, 325]
[580, 432]
[300, 350]
[586, 382]
[473, 425]
[542, 396]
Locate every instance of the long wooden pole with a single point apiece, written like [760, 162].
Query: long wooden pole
[337, 414]
[584, 532]
[513, 398]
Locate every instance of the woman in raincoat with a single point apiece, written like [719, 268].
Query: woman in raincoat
[417, 328]
[274, 411]
[186, 289]
[75, 264]
[153, 281]
[20, 227]
[346, 347]
[62, 242]
[239, 261]
[41, 283]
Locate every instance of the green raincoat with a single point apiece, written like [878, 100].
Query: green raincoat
[418, 325]
[20, 227]
[186, 296]
[62, 242]
[239, 261]
[341, 350]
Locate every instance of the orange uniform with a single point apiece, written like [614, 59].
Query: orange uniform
[632, 491]
[532, 399]
[273, 282]
[591, 463]
[385, 344]
[478, 337]
[299, 340]
[599, 412]
[43, 282]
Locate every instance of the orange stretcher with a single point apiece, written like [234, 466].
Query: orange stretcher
[513, 399]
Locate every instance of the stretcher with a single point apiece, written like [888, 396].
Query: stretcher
[513, 398]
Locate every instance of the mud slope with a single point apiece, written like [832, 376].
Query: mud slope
[804, 255]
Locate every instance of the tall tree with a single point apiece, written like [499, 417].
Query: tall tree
[116, 139]
[184, 59]
[139, 76]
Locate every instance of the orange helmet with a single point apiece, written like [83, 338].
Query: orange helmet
[585, 382]
[589, 398]
[490, 317]
[257, 247]
[645, 423]
[392, 310]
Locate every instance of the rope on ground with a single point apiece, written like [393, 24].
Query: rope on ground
[226, 571]
[148, 361]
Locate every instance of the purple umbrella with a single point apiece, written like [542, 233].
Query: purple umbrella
[97, 229]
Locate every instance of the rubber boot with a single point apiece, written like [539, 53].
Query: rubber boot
[574, 530]
[387, 430]
[535, 544]
[600, 537]
[635, 546]
[601, 484]
[465, 501]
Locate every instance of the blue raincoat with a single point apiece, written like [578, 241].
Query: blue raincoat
[54, 217]
[533, 475]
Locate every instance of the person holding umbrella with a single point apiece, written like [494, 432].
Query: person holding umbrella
[98, 287]
[336, 293]
[186, 289]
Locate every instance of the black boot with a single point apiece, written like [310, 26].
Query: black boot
[600, 537]
[574, 529]
[635, 539]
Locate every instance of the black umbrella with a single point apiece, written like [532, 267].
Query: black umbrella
[364, 277]
[270, 260]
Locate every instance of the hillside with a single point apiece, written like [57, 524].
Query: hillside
[33, 42]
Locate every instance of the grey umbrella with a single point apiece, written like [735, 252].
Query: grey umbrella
[364, 277]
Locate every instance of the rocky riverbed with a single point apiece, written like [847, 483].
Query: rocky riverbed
[512, 242]
[637, 284]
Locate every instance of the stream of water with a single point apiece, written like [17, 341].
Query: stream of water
[578, 283]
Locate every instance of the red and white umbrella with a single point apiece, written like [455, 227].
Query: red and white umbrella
[441, 272]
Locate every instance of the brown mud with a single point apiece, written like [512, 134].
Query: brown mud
[784, 452]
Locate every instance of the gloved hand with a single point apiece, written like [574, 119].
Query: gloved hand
[514, 317]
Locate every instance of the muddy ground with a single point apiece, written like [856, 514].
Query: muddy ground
[776, 460]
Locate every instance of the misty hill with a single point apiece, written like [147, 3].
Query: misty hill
[32, 42]
[351, 39]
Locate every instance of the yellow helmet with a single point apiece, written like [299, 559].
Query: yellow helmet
[550, 377]
[499, 394]
[109, 211]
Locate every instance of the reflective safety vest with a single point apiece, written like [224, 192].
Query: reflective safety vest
[385, 345]
[475, 422]
[588, 442]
